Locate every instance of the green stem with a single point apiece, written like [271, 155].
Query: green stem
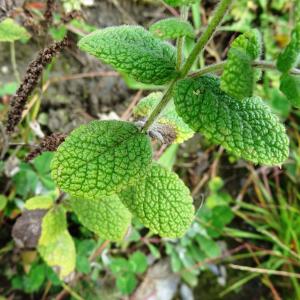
[184, 13]
[179, 44]
[207, 34]
[205, 37]
[219, 67]
[14, 62]
[160, 106]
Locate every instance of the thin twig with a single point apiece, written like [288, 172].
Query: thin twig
[219, 67]
[14, 62]
[264, 271]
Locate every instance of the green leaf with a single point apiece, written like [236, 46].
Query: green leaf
[138, 260]
[101, 158]
[133, 50]
[246, 128]
[180, 2]
[3, 202]
[162, 202]
[120, 265]
[126, 283]
[290, 86]
[172, 28]
[39, 202]
[209, 246]
[35, 278]
[239, 76]
[107, 217]
[11, 31]
[290, 55]
[56, 246]
[168, 158]
[167, 117]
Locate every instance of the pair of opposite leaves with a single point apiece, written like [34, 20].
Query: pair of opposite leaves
[135, 51]
[93, 163]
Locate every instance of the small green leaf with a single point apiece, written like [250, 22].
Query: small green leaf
[107, 217]
[126, 283]
[138, 260]
[290, 86]
[133, 50]
[101, 158]
[3, 202]
[246, 128]
[209, 246]
[39, 202]
[239, 76]
[56, 246]
[162, 202]
[168, 158]
[290, 55]
[167, 117]
[172, 28]
[11, 31]
[180, 2]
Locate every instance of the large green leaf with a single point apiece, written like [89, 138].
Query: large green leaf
[11, 31]
[168, 117]
[172, 28]
[290, 55]
[107, 217]
[180, 2]
[133, 50]
[246, 128]
[56, 246]
[290, 86]
[162, 202]
[101, 158]
[239, 76]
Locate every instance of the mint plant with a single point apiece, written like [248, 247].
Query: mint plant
[106, 167]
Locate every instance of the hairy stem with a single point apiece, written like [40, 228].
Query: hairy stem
[160, 106]
[205, 37]
[14, 62]
[180, 41]
[207, 34]
[219, 67]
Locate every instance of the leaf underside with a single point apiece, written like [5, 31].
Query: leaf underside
[246, 128]
[107, 217]
[101, 158]
[134, 51]
[162, 202]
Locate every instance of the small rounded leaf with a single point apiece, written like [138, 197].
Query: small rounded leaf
[134, 51]
[168, 116]
[11, 31]
[101, 158]
[290, 55]
[162, 202]
[172, 28]
[107, 217]
[246, 128]
[239, 76]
